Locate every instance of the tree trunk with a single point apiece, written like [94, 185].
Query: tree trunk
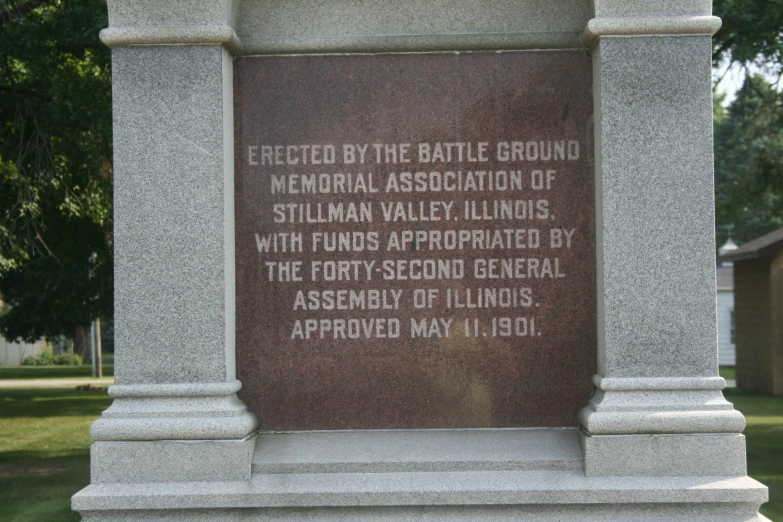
[81, 343]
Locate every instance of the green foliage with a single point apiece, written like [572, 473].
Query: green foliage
[68, 359]
[53, 372]
[47, 358]
[748, 139]
[749, 163]
[752, 31]
[55, 154]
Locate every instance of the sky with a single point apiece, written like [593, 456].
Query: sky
[733, 78]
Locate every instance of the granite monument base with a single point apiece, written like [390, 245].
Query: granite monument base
[494, 474]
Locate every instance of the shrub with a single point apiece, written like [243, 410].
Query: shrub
[68, 359]
[47, 358]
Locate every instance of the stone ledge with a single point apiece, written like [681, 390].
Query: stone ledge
[658, 383]
[421, 489]
[660, 422]
[505, 513]
[384, 451]
[410, 43]
[651, 25]
[199, 389]
[171, 35]
[224, 35]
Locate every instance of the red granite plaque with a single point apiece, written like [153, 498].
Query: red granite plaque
[415, 240]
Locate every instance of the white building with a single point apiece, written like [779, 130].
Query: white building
[727, 351]
[12, 354]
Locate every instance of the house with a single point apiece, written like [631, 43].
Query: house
[725, 289]
[758, 312]
[12, 354]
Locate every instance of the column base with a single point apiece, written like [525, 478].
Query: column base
[172, 461]
[645, 405]
[152, 412]
[663, 455]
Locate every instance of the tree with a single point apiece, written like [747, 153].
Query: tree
[752, 32]
[55, 167]
[748, 137]
[749, 162]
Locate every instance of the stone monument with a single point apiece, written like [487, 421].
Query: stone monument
[401, 261]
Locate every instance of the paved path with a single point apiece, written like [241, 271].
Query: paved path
[55, 383]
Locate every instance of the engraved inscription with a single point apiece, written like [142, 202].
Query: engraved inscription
[415, 252]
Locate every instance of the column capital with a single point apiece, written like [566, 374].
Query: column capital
[650, 17]
[133, 22]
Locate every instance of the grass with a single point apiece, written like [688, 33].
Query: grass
[44, 449]
[764, 435]
[728, 373]
[56, 372]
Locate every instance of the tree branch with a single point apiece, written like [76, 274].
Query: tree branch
[21, 90]
[12, 12]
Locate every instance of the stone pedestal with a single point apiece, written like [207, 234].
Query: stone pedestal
[657, 440]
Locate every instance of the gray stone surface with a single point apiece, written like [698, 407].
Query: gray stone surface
[174, 248]
[660, 405]
[204, 34]
[422, 489]
[171, 216]
[654, 205]
[630, 8]
[171, 461]
[560, 513]
[656, 421]
[664, 455]
[652, 25]
[418, 450]
[658, 383]
[141, 13]
[272, 26]
[409, 25]
[174, 411]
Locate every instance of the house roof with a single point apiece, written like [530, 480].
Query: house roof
[764, 246]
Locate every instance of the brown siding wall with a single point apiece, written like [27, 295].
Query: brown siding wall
[752, 322]
[776, 317]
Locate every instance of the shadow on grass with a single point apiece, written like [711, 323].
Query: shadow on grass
[49, 481]
[44, 451]
[51, 402]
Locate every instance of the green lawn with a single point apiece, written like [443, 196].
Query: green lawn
[56, 372]
[764, 434]
[728, 373]
[44, 449]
